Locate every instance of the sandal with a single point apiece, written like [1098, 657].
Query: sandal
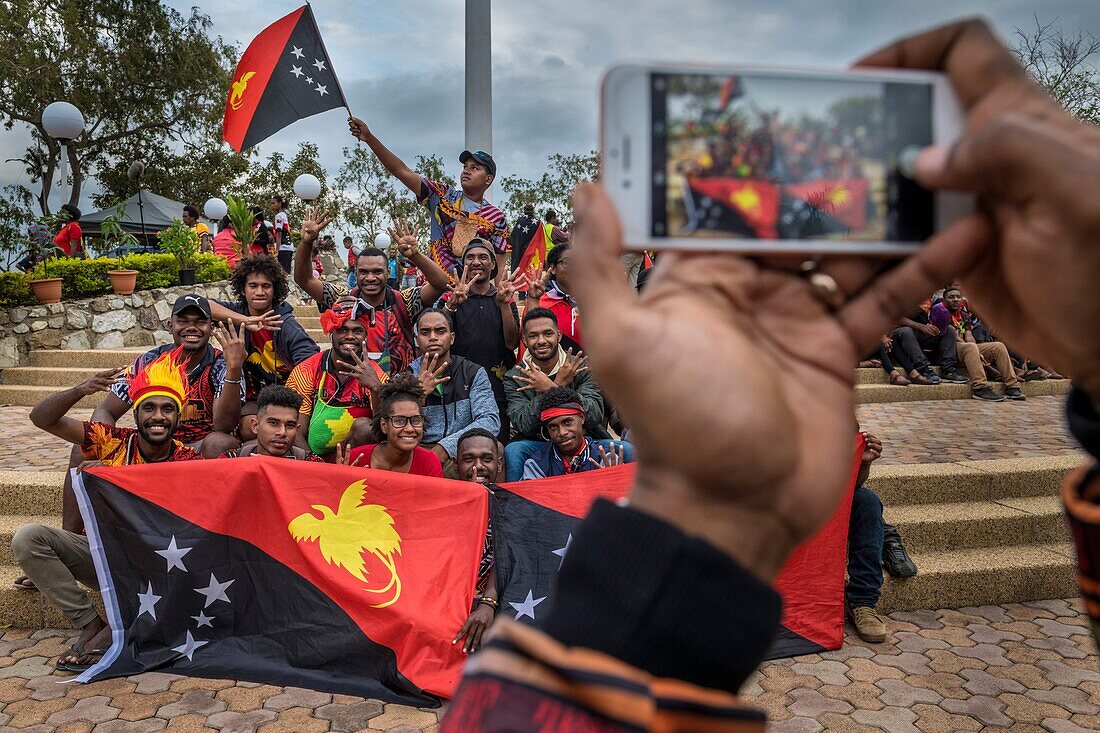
[78, 651]
[24, 583]
[898, 380]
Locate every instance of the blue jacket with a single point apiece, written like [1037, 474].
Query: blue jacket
[463, 403]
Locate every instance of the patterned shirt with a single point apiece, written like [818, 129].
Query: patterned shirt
[115, 446]
[205, 386]
[448, 206]
[388, 342]
[316, 378]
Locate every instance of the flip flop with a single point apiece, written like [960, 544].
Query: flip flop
[77, 650]
[24, 583]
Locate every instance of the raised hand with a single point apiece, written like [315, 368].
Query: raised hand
[536, 288]
[533, 379]
[460, 292]
[509, 283]
[358, 128]
[313, 224]
[574, 365]
[406, 237]
[101, 381]
[758, 460]
[362, 369]
[608, 458]
[231, 340]
[269, 321]
[430, 371]
[343, 456]
[1034, 168]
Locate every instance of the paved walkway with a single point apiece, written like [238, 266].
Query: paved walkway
[1024, 667]
[942, 431]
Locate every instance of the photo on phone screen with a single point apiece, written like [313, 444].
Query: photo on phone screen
[763, 156]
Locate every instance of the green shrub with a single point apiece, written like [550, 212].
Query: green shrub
[210, 268]
[15, 289]
[79, 278]
[154, 270]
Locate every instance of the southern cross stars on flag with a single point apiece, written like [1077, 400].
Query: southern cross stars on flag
[284, 75]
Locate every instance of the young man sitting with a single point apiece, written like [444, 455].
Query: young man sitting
[55, 560]
[337, 385]
[458, 396]
[952, 316]
[546, 365]
[568, 450]
[478, 460]
[275, 425]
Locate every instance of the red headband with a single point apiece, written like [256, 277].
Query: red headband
[569, 408]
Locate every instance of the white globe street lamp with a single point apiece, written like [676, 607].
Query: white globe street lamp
[214, 209]
[307, 187]
[64, 123]
[382, 241]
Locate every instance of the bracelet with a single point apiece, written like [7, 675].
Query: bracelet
[491, 603]
[237, 382]
[447, 307]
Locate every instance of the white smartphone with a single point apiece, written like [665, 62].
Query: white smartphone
[771, 160]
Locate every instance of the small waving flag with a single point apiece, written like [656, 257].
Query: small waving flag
[534, 257]
[284, 75]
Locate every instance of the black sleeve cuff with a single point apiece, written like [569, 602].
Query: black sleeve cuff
[1084, 423]
[642, 591]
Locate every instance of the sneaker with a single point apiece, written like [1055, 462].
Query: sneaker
[931, 375]
[985, 393]
[896, 560]
[952, 375]
[869, 625]
[1014, 393]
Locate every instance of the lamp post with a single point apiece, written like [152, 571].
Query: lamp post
[64, 123]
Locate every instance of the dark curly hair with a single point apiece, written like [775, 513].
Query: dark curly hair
[555, 255]
[267, 266]
[275, 395]
[403, 388]
[556, 396]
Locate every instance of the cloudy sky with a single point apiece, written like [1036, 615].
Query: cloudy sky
[401, 63]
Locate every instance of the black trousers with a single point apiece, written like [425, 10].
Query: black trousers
[883, 356]
[909, 346]
[286, 259]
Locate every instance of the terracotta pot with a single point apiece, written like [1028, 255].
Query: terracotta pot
[48, 290]
[123, 281]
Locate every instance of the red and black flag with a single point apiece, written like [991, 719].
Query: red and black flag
[830, 206]
[737, 205]
[284, 75]
[533, 526]
[326, 577]
[534, 255]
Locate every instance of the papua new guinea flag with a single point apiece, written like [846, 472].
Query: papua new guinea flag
[533, 526]
[284, 75]
[327, 577]
[738, 205]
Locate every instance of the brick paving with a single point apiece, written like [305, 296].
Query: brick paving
[1023, 667]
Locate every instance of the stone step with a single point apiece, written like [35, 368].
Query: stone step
[319, 336]
[31, 492]
[313, 322]
[868, 393]
[306, 311]
[10, 524]
[26, 609]
[992, 524]
[91, 359]
[55, 377]
[29, 396]
[968, 481]
[980, 576]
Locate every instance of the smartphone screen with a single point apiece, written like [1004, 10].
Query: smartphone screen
[763, 156]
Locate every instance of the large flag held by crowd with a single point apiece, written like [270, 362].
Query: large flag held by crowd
[352, 580]
[284, 75]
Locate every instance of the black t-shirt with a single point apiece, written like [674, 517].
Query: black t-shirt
[479, 336]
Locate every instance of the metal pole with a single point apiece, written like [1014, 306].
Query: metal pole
[479, 77]
[141, 217]
[64, 173]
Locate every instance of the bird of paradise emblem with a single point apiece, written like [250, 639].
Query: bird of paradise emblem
[344, 536]
[236, 99]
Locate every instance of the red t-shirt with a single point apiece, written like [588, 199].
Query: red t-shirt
[424, 462]
[68, 233]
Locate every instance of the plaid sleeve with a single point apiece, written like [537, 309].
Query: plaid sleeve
[303, 380]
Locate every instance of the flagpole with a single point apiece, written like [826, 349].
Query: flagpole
[335, 76]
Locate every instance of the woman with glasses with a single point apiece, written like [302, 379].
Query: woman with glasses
[399, 428]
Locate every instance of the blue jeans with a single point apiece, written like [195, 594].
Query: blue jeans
[864, 549]
[517, 452]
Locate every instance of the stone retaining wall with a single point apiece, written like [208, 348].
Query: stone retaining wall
[106, 322]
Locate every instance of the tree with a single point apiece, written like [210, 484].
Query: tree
[370, 198]
[276, 176]
[146, 78]
[553, 188]
[1062, 64]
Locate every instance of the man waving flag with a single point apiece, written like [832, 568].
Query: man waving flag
[284, 75]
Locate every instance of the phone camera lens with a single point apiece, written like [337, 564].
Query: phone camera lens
[659, 179]
[659, 128]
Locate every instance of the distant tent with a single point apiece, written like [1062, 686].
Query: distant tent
[158, 212]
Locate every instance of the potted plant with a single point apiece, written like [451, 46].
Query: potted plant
[179, 241]
[242, 219]
[123, 278]
[47, 289]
